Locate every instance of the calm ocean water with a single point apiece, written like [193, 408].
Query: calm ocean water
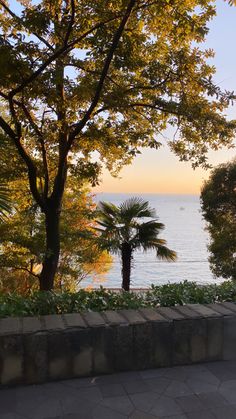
[184, 232]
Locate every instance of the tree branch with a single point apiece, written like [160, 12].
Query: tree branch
[105, 70]
[19, 20]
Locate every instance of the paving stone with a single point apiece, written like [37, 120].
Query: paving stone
[228, 412]
[178, 389]
[113, 317]
[204, 376]
[158, 385]
[190, 403]
[7, 401]
[34, 410]
[121, 404]
[74, 320]
[102, 412]
[11, 416]
[133, 316]
[224, 370]
[144, 401]
[153, 373]
[94, 319]
[111, 390]
[228, 390]
[78, 408]
[180, 373]
[137, 414]
[166, 406]
[136, 386]
[199, 386]
[201, 414]
[211, 400]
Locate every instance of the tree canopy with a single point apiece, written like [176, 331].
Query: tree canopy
[218, 198]
[89, 82]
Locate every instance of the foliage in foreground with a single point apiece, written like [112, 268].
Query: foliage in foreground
[42, 303]
[218, 201]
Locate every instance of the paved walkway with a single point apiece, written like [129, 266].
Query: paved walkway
[203, 391]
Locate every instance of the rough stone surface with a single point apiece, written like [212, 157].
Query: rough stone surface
[133, 316]
[94, 319]
[170, 313]
[54, 322]
[205, 311]
[31, 324]
[38, 349]
[113, 317]
[10, 326]
[74, 320]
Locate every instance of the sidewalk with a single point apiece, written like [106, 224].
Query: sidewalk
[204, 391]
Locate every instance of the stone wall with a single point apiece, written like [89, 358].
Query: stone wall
[38, 349]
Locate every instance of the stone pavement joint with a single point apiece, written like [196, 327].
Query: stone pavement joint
[203, 391]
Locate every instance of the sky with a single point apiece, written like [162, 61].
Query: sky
[159, 171]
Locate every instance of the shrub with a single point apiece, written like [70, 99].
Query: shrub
[41, 303]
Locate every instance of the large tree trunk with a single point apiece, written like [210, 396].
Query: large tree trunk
[126, 256]
[52, 252]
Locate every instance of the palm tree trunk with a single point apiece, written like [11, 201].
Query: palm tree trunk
[126, 256]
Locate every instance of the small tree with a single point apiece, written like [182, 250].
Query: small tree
[218, 201]
[123, 232]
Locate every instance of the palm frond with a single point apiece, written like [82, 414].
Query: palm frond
[135, 207]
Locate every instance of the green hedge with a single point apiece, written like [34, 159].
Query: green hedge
[41, 303]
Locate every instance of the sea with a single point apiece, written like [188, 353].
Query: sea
[185, 232]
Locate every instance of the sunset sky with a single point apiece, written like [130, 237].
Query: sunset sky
[160, 171]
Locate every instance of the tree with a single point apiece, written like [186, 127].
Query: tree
[218, 201]
[105, 77]
[122, 232]
[5, 206]
[22, 237]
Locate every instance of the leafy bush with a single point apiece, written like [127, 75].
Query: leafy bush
[41, 303]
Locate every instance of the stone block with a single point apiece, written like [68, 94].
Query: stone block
[32, 324]
[74, 320]
[59, 359]
[205, 311]
[113, 317]
[35, 358]
[214, 339]
[11, 326]
[170, 313]
[198, 343]
[11, 360]
[222, 309]
[188, 312]
[151, 315]
[189, 341]
[103, 350]
[81, 352]
[142, 346]
[123, 348]
[162, 343]
[94, 319]
[230, 306]
[54, 322]
[229, 340]
[133, 316]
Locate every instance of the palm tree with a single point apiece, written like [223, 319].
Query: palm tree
[122, 232]
[5, 206]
